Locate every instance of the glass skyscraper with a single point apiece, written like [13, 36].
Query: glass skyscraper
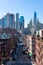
[9, 20]
[21, 26]
[17, 22]
[11, 23]
[35, 18]
[1, 23]
[5, 21]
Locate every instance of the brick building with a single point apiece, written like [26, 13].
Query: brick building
[39, 51]
[7, 45]
[29, 41]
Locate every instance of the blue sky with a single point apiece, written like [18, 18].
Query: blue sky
[24, 7]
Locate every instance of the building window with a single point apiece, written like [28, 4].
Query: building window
[42, 33]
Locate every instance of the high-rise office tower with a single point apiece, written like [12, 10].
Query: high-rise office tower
[5, 21]
[35, 18]
[34, 23]
[11, 23]
[21, 23]
[17, 22]
[1, 23]
[9, 20]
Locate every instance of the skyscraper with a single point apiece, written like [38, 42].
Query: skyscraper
[1, 23]
[21, 23]
[34, 24]
[12, 24]
[35, 18]
[5, 21]
[9, 20]
[17, 21]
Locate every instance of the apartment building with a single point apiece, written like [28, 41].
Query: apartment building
[7, 45]
[39, 51]
[40, 33]
[29, 41]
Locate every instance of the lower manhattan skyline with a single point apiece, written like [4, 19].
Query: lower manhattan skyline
[25, 8]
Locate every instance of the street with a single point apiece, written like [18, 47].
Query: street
[20, 58]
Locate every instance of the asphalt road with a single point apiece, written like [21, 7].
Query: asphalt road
[16, 63]
[19, 57]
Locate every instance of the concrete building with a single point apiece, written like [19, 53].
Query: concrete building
[34, 24]
[33, 29]
[26, 31]
[40, 33]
